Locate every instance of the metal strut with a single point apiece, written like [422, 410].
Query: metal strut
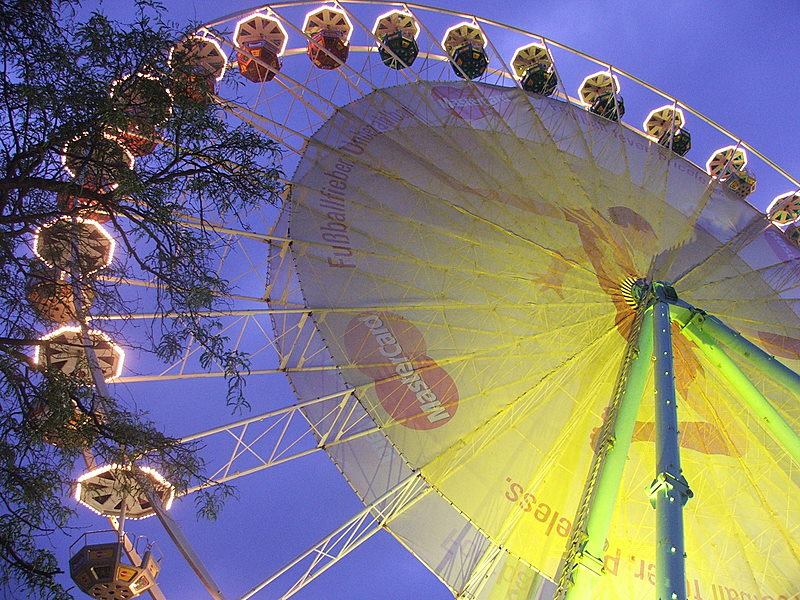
[707, 333]
[583, 559]
[670, 491]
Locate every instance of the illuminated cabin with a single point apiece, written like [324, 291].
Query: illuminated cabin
[397, 33]
[200, 64]
[665, 126]
[74, 243]
[52, 297]
[785, 209]
[329, 30]
[725, 161]
[262, 42]
[145, 103]
[467, 49]
[599, 92]
[728, 166]
[63, 349]
[105, 489]
[57, 429]
[679, 140]
[792, 233]
[742, 183]
[87, 208]
[534, 68]
[97, 161]
[103, 571]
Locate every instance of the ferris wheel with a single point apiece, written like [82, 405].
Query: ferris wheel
[485, 238]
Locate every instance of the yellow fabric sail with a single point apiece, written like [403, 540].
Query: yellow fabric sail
[463, 250]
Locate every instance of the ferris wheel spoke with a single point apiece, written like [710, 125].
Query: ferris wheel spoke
[457, 456]
[294, 350]
[269, 127]
[220, 228]
[186, 549]
[687, 231]
[328, 551]
[338, 425]
[479, 576]
[286, 437]
[741, 238]
[782, 278]
[148, 284]
[214, 374]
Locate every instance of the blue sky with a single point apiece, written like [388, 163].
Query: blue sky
[736, 62]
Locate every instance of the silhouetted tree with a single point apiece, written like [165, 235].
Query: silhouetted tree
[78, 92]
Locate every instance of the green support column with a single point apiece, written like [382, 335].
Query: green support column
[669, 491]
[755, 400]
[766, 363]
[609, 477]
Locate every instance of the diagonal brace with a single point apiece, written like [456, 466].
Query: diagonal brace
[768, 416]
[585, 561]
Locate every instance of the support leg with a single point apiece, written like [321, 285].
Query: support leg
[755, 400]
[669, 491]
[612, 458]
[734, 340]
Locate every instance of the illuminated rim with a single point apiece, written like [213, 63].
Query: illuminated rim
[473, 36]
[676, 119]
[129, 158]
[112, 244]
[589, 90]
[260, 15]
[413, 27]
[519, 71]
[310, 29]
[169, 489]
[93, 334]
[736, 160]
[200, 55]
[782, 204]
[150, 77]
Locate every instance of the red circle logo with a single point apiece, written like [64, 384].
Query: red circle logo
[466, 102]
[412, 388]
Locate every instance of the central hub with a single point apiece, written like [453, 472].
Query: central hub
[633, 290]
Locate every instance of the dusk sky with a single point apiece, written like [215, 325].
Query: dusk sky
[736, 62]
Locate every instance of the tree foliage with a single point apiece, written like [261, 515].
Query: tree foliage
[68, 93]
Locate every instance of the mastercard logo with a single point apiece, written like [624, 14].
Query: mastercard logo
[412, 388]
[466, 102]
